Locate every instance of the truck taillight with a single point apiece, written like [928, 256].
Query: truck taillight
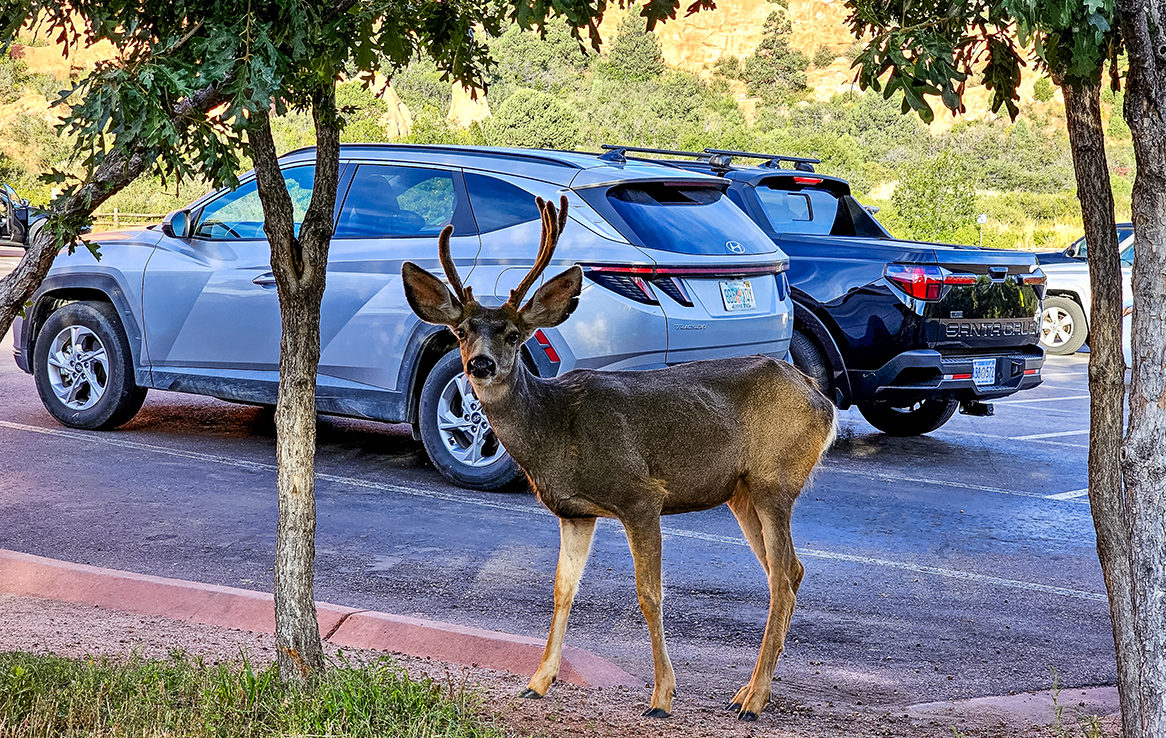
[921, 281]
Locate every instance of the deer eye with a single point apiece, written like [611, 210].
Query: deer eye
[512, 338]
[460, 333]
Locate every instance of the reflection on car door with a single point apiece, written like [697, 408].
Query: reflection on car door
[210, 306]
[391, 214]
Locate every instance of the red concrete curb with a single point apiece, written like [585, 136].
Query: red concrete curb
[461, 644]
[35, 576]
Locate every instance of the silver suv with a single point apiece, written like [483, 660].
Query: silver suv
[675, 272]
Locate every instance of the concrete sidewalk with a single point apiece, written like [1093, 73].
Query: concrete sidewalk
[34, 576]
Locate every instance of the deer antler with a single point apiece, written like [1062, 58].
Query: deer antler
[553, 224]
[463, 293]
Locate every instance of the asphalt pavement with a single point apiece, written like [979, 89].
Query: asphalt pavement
[958, 564]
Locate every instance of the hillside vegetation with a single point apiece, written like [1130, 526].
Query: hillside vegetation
[548, 92]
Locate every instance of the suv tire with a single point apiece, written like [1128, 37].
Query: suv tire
[84, 369]
[456, 434]
[1063, 328]
[806, 356]
[912, 419]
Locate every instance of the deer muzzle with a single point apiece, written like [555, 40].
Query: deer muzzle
[481, 367]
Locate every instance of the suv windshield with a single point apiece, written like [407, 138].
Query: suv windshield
[686, 219]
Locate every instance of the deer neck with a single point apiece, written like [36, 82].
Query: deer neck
[520, 411]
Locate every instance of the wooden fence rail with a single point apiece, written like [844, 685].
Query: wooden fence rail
[115, 218]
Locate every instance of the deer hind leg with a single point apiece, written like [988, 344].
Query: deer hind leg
[575, 537]
[785, 575]
[646, 547]
[742, 506]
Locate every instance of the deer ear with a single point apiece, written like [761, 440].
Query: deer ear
[429, 297]
[554, 301]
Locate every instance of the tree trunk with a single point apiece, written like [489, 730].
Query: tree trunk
[1144, 462]
[300, 265]
[1106, 383]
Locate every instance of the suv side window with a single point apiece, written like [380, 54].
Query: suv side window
[386, 201]
[498, 204]
[239, 214]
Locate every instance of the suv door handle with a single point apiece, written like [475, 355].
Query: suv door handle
[265, 280]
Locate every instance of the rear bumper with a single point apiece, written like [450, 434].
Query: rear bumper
[924, 373]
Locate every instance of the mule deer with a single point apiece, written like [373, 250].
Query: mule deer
[635, 445]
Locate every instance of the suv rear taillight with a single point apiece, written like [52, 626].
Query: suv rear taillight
[639, 283]
[629, 282]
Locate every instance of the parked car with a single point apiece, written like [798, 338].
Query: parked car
[19, 221]
[674, 272]
[907, 331]
[1127, 319]
[1065, 315]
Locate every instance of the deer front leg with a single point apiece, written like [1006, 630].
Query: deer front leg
[575, 537]
[645, 543]
[785, 575]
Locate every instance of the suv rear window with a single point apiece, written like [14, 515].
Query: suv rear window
[685, 219]
[803, 211]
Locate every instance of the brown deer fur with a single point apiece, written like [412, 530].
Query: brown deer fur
[635, 445]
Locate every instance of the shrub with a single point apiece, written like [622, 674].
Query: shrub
[634, 53]
[728, 66]
[823, 57]
[775, 72]
[934, 201]
[1042, 90]
[525, 60]
[12, 76]
[534, 119]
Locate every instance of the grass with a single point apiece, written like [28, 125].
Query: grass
[184, 696]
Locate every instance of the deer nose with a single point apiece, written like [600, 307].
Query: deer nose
[481, 367]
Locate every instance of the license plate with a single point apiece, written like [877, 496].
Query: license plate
[983, 372]
[738, 295]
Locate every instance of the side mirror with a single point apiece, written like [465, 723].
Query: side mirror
[177, 224]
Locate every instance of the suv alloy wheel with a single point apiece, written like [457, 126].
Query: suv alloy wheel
[456, 434]
[83, 367]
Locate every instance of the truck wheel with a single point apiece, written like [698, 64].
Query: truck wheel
[456, 434]
[807, 357]
[910, 419]
[1063, 327]
[84, 369]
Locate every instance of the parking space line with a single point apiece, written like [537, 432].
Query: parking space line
[469, 498]
[264, 467]
[1040, 399]
[934, 570]
[1069, 495]
[1059, 434]
[937, 482]
[948, 431]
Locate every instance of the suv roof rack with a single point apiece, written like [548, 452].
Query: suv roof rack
[801, 163]
[717, 158]
[617, 153]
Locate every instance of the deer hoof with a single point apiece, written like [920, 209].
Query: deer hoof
[657, 712]
[530, 694]
[749, 717]
[734, 706]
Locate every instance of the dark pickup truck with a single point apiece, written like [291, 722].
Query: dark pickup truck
[908, 332]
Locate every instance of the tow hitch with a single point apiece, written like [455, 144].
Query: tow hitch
[977, 408]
